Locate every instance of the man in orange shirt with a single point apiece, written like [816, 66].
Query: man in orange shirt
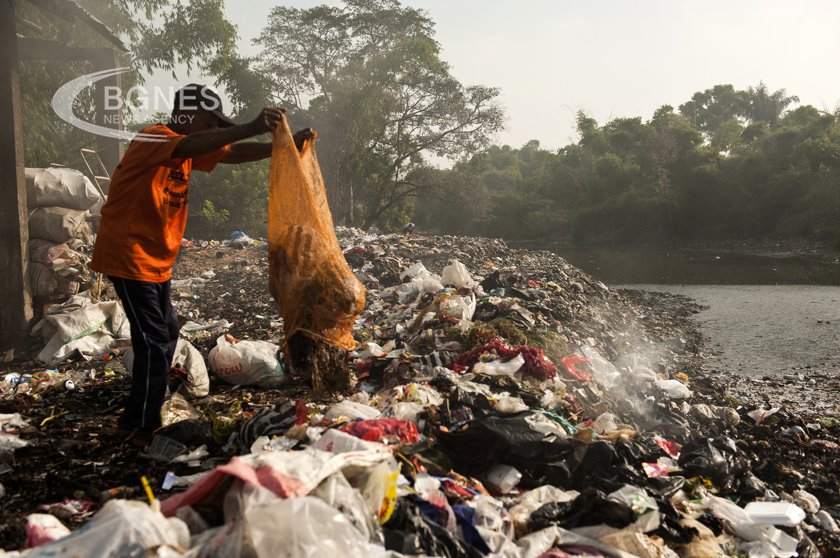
[143, 225]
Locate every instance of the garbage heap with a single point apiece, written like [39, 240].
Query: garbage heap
[60, 239]
[507, 404]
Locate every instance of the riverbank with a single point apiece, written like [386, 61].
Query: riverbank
[811, 248]
[530, 298]
[747, 262]
[773, 343]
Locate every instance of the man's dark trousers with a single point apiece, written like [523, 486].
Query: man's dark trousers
[154, 335]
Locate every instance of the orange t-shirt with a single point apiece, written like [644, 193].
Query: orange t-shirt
[144, 218]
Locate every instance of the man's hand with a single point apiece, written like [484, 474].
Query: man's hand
[268, 119]
[302, 136]
[206, 141]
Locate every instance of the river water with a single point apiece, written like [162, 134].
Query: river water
[764, 315]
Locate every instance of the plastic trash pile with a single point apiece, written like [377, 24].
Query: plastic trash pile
[63, 202]
[506, 405]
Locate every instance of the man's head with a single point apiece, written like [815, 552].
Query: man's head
[196, 108]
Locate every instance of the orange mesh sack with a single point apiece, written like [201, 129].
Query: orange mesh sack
[316, 293]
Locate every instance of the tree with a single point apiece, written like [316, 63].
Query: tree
[159, 35]
[368, 75]
[718, 113]
[763, 106]
[711, 109]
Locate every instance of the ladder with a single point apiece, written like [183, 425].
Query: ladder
[98, 179]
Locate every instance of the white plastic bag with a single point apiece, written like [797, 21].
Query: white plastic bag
[456, 274]
[499, 368]
[60, 187]
[603, 370]
[247, 362]
[42, 528]
[304, 527]
[460, 307]
[336, 492]
[351, 410]
[604, 424]
[120, 528]
[674, 389]
[508, 404]
[186, 358]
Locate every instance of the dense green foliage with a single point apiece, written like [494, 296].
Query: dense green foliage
[727, 164]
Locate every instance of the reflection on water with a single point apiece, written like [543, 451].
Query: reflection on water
[666, 266]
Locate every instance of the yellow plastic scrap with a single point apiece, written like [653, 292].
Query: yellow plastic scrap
[53, 416]
[315, 290]
[148, 489]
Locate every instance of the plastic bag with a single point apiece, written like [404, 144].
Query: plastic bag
[603, 371]
[604, 424]
[336, 492]
[537, 544]
[384, 431]
[507, 404]
[674, 389]
[351, 410]
[499, 368]
[415, 271]
[460, 307]
[187, 357]
[380, 488]
[315, 290]
[177, 408]
[304, 527]
[247, 362]
[120, 528]
[716, 459]
[60, 187]
[43, 528]
[456, 274]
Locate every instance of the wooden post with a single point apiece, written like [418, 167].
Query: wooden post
[15, 299]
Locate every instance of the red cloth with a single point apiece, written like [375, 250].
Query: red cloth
[301, 412]
[536, 364]
[384, 430]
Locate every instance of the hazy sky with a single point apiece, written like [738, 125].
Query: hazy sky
[551, 58]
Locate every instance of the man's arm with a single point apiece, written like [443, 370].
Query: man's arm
[248, 151]
[245, 152]
[208, 141]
